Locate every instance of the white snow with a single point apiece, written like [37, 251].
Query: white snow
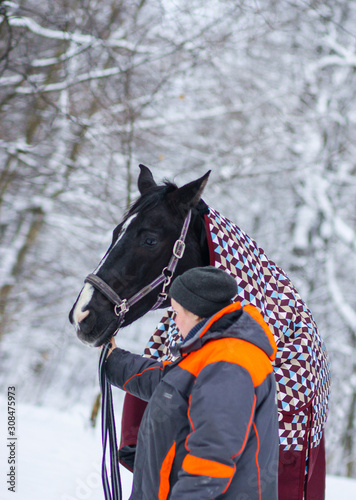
[59, 457]
[340, 487]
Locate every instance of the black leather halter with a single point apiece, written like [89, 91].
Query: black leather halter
[122, 306]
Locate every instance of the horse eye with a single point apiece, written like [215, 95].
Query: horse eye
[150, 242]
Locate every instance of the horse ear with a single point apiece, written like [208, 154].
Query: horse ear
[145, 179]
[190, 193]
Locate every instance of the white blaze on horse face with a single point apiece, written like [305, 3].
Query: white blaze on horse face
[121, 235]
[80, 311]
[84, 298]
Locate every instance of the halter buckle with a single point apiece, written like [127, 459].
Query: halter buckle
[122, 308]
[178, 249]
[168, 274]
[163, 296]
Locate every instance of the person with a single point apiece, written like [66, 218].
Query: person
[210, 429]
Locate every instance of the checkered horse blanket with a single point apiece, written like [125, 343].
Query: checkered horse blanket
[301, 366]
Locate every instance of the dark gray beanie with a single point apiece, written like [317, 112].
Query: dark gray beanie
[204, 290]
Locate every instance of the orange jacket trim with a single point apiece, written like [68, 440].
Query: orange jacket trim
[165, 471]
[204, 467]
[256, 460]
[147, 369]
[230, 308]
[189, 417]
[254, 313]
[237, 351]
[248, 428]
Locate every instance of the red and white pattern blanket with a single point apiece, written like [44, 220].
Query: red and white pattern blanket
[301, 366]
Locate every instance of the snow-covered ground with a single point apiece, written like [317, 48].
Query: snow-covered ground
[58, 457]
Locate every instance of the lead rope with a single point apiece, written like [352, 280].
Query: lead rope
[108, 430]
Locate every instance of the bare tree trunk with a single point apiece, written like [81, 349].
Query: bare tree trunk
[28, 229]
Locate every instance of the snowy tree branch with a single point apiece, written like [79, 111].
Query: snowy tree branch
[79, 38]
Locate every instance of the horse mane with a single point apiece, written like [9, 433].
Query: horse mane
[151, 198]
[155, 195]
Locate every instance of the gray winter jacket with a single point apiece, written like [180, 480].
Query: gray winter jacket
[210, 429]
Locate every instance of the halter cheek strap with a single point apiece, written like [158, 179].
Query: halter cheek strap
[122, 306]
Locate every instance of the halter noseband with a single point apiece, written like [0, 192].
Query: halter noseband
[122, 306]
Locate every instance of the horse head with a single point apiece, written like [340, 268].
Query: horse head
[141, 248]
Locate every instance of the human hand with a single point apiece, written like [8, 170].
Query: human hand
[113, 346]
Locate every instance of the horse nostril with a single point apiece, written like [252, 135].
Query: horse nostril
[82, 315]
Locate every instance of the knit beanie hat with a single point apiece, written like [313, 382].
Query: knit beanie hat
[204, 290]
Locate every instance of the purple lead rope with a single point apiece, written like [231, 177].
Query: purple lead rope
[108, 430]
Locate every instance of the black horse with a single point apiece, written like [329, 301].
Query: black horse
[141, 248]
[169, 230]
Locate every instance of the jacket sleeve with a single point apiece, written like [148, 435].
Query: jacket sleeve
[221, 411]
[131, 372]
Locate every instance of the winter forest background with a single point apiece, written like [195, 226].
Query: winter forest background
[260, 91]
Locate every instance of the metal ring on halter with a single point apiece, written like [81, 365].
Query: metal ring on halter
[163, 294]
[167, 273]
[178, 249]
[121, 309]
